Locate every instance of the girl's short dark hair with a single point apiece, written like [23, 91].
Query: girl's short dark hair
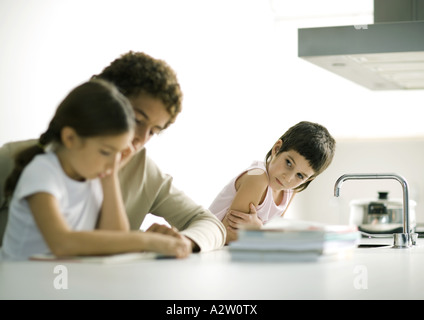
[94, 108]
[313, 142]
[136, 72]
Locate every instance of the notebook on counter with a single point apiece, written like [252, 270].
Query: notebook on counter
[106, 259]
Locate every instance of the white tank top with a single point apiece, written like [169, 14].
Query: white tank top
[266, 210]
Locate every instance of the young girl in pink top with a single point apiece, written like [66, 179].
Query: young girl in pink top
[265, 189]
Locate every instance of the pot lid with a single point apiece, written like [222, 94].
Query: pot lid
[390, 202]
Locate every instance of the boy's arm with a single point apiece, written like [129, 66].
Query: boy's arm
[193, 221]
[146, 190]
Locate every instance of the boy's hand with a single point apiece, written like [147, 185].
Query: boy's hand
[168, 245]
[163, 229]
[173, 232]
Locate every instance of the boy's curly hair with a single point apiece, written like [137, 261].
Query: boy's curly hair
[136, 72]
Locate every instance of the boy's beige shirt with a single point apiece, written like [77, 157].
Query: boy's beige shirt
[145, 189]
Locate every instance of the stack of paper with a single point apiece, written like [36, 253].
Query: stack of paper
[288, 240]
[106, 259]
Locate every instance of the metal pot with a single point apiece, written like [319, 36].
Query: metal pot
[381, 215]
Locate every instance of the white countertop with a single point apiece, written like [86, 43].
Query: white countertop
[367, 273]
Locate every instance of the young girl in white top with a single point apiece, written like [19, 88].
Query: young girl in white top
[265, 189]
[66, 197]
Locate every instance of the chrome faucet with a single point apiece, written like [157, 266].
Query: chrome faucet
[401, 240]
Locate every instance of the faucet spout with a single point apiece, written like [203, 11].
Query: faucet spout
[368, 176]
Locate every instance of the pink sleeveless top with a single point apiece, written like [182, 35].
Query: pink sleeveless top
[266, 210]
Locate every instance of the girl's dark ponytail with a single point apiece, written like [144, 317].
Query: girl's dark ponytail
[22, 159]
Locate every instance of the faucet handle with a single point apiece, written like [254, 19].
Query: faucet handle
[414, 238]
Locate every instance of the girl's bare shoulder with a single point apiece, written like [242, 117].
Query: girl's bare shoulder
[256, 177]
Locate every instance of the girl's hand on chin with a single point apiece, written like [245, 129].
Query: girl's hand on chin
[127, 154]
[105, 174]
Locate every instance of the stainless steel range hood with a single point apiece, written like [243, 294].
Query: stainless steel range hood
[386, 55]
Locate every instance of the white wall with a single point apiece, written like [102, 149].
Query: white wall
[237, 64]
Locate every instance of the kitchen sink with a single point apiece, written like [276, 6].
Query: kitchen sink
[373, 245]
[375, 241]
